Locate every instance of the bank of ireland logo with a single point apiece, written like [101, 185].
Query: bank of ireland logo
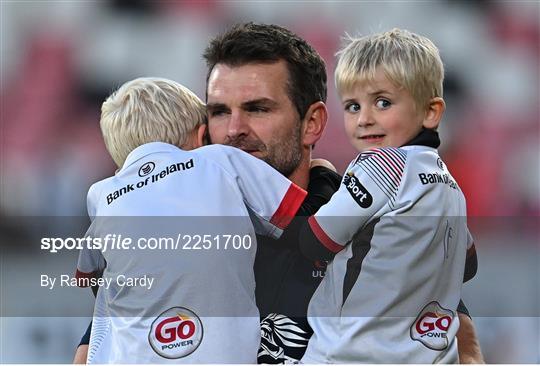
[146, 169]
[176, 333]
[431, 326]
[440, 164]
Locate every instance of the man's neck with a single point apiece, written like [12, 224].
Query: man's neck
[300, 176]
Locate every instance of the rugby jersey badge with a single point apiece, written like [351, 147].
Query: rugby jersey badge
[176, 333]
[358, 192]
[431, 326]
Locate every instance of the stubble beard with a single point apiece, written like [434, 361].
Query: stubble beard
[285, 156]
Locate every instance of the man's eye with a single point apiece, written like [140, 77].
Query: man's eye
[352, 107]
[383, 103]
[216, 113]
[257, 109]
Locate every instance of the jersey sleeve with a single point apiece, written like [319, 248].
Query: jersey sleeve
[272, 199]
[91, 262]
[370, 184]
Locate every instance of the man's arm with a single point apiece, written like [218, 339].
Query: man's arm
[322, 163]
[81, 354]
[468, 345]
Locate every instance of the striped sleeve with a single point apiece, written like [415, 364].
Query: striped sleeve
[369, 187]
[385, 168]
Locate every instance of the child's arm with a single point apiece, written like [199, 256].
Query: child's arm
[91, 262]
[323, 183]
[370, 184]
[272, 199]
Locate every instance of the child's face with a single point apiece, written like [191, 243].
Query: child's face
[380, 114]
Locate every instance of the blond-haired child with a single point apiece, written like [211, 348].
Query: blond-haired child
[180, 288]
[397, 225]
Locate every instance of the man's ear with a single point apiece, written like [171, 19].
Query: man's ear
[434, 113]
[314, 123]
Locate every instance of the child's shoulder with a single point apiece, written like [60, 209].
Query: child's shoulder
[216, 147]
[97, 187]
[390, 155]
[101, 183]
[225, 155]
[217, 151]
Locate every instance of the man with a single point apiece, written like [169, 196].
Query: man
[266, 89]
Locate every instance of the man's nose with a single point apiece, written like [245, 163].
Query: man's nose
[238, 125]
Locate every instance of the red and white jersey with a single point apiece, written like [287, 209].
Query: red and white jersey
[398, 225]
[190, 300]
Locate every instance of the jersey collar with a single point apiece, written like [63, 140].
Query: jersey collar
[146, 149]
[429, 138]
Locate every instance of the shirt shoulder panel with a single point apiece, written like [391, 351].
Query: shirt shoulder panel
[385, 166]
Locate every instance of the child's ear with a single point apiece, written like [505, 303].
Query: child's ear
[202, 137]
[434, 113]
[315, 122]
[196, 138]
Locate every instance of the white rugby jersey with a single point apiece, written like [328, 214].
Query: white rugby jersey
[391, 295]
[200, 307]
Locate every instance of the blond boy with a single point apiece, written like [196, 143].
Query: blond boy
[190, 299]
[391, 295]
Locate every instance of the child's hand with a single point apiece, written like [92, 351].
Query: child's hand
[322, 162]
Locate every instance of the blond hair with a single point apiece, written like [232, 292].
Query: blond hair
[407, 59]
[147, 110]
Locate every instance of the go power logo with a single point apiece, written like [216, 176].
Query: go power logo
[176, 333]
[431, 326]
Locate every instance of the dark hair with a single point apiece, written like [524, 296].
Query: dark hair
[251, 42]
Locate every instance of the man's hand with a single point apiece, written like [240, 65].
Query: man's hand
[322, 162]
[81, 354]
[468, 346]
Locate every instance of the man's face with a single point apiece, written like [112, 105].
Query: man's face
[249, 108]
